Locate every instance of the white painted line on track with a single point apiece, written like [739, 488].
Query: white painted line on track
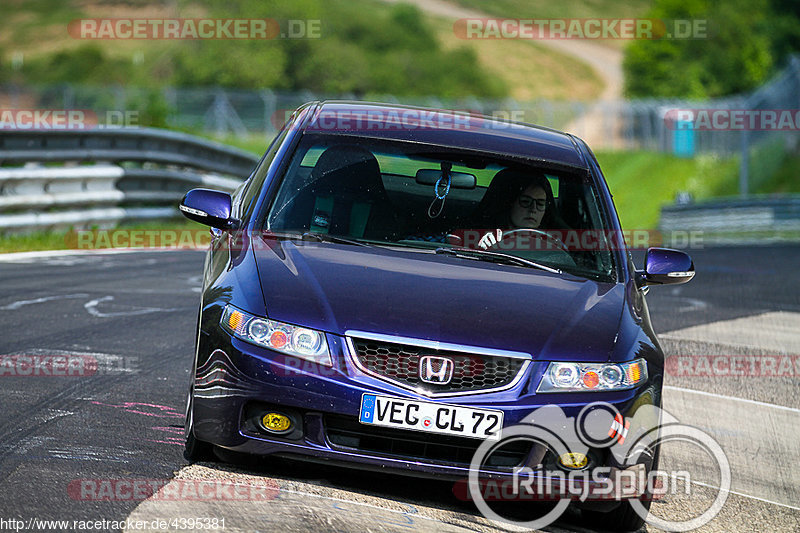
[20, 303]
[17, 256]
[91, 308]
[757, 437]
[743, 495]
[733, 398]
[11, 257]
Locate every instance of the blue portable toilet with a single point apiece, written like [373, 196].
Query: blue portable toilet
[683, 138]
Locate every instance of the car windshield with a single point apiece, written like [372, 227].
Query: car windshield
[426, 198]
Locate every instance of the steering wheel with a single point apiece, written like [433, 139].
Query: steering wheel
[508, 235]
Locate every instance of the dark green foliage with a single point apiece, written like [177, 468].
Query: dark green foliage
[746, 41]
[86, 64]
[363, 48]
[785, 27]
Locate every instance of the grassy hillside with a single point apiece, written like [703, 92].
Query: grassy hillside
[545, 9]
[366, 47]
[561, 9]
[529, 70]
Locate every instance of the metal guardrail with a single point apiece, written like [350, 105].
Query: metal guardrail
[124, 144]
[736, 220]
[636, 124]
[107, 175]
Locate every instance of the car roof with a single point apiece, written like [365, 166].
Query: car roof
[446, 128]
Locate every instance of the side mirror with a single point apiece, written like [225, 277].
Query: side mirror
[212, 208]
[663, 266]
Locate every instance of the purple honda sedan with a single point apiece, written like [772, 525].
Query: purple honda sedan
[397, 289]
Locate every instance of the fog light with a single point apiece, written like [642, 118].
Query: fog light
[276, 422]
[574, 461]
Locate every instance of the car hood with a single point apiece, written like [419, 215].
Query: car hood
[336, 288]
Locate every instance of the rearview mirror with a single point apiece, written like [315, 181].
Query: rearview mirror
[664, 266]
[212, 208]
[458, 180]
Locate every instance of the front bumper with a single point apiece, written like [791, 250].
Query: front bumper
[237, 381]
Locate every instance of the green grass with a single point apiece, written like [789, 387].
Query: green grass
[255, 144]
[643, 182]
[68, 239]
[540, 9]
[785, 179]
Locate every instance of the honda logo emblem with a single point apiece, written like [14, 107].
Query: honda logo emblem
[438, 370]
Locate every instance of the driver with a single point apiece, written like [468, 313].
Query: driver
[518, 200]
[530, 206]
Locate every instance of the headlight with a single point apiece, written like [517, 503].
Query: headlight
[582, 377]
[292, 340]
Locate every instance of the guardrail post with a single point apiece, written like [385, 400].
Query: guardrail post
[270, 108]
[744, 166]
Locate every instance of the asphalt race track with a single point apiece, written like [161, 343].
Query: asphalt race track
[129, 319]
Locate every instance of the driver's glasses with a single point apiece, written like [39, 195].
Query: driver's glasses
[526, 202]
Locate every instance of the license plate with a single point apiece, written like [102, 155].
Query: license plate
[431, 417]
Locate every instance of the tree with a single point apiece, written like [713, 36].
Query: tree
[735, 55]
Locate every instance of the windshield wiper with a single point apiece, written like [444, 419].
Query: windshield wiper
[324, 237]
[495, 257]
[312, 236]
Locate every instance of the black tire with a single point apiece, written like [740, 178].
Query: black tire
[194, 450]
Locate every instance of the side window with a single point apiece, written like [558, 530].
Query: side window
[253, 185]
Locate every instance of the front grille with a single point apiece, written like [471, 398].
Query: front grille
[347, 434]
[399, 363]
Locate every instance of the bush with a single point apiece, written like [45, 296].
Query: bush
[738, 55]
